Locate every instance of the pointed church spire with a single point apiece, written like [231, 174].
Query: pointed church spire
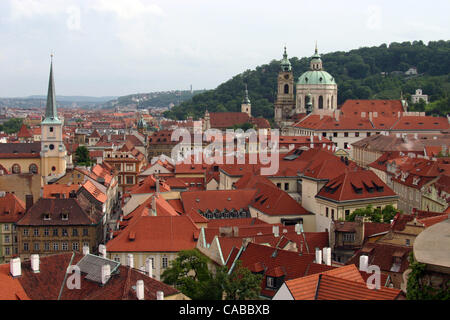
[317, 50]
[51, 113]
[285, 63]
[246, 98]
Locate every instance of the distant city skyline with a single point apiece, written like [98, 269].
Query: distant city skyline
[115, 47]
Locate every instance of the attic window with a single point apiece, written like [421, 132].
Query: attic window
[65, 216]
[356, 189]
[47, 216]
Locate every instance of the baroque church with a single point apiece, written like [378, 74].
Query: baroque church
[316, 91]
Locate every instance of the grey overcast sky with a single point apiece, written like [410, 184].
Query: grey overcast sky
[119, 47]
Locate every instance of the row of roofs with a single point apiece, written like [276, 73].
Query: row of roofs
[44, 278]
[381, 115]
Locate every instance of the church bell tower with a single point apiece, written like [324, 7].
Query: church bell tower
[285, 102]
[53, 150]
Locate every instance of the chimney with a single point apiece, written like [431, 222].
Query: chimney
[28, 201]
[111, 234]
[157, 184]
[276, 231]
[85, 250]
[130, 260]
[15, 268]
[154, 204]
[106, 273]
[140, 289]
[297, 228]
[35, 263]
[102, 250]
[318, 256]
[236, 231]
[370, 116]
[159, 295]
[327, 256]
[149, 267]
[363, 263]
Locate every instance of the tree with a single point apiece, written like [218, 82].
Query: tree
[82, 156]
[375, 215]
[12, 125]
[190, 274]
[242, 284]
[418, 288]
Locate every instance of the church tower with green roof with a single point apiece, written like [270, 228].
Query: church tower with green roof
[53, 150]
[285, 102]
[319, 84]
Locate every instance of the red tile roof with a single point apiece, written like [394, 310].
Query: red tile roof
[24, 132]
[11, 289]
[277, 263]
[217, 199]
[46, 284]
[12, 209]
[343, 283]
[63, 190]
[355, 185]
[224, 120]
[156, 234]
[382, 255]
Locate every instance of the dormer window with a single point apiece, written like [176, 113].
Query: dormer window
[47, 216]
[64, 216]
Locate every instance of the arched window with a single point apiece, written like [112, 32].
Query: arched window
[320, 102]
[15, 168]
[306, 100]
[33, 168]
[286, 89]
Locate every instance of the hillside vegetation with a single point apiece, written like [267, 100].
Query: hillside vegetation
[357, 72]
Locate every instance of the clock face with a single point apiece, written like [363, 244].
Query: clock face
[286, 76]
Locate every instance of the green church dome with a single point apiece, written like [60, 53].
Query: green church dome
[316, 77]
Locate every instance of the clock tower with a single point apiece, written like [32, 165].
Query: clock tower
[285, 103]
[53, 150]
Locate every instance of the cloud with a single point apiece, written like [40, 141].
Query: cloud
[374, 18]
[127, 10]
[74, 20]
[30, 8]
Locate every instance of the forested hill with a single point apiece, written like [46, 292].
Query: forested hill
[357, 72]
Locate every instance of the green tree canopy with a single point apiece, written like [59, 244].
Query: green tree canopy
[364, 73]
[375, 215]
[190, 274]
[82, 156]
[13, 125]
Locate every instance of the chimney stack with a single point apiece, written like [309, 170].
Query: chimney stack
[35, 263]
[363, 263]
[297, 228]
[154, 204]
[276, 231]
[85, 250]
[159, 295]
[15, 268]
[318, 256]
[149, 267]
[28, 202]
[327, 256]
[140, 289]
[106, 273]
[130, 260]
[102, 250]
